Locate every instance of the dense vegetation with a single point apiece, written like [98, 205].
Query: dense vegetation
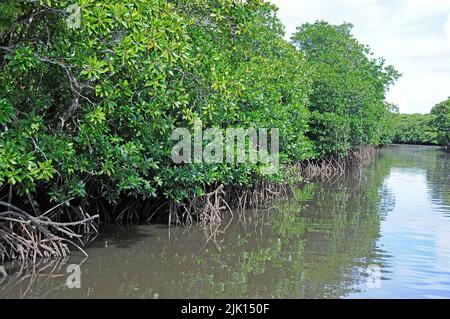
[347, 103]
[86, 112]
[441, 123]
[429, 129]
[413, 129]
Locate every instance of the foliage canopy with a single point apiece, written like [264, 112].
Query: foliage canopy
[88, 112]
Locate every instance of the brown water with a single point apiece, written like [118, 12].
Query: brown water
[380, 232]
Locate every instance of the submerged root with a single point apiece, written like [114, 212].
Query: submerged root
[24, 236]
[328, 168]
[206, 209]
[209, 209]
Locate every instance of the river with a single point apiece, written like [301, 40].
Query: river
[382, 231]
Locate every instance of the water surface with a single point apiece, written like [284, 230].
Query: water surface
[378, 232]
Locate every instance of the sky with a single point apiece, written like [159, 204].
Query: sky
[412, 35]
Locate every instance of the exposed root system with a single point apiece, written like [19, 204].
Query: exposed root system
[331, 167]
[24, 236]
[209, 209]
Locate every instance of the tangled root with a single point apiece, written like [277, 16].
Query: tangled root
[209, 209]
[24, 236]
[331, 167]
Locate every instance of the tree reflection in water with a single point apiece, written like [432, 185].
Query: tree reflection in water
[317, 244]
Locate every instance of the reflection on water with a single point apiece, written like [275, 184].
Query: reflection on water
[380, 232]
[417, 230]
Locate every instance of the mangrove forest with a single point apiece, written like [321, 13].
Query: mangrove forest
[92, 91]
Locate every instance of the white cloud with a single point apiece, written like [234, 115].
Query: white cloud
[374, 14]
[413, 35]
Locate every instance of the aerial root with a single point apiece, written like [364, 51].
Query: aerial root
[328, 168]
[24, 236]
[208, 210]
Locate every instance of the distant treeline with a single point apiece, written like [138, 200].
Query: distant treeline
[428, 129]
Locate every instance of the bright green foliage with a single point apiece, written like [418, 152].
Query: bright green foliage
[349, 86]
[243, 75]
[413, 129]
[88, 112]
[433, 128]
[441, 122]
[94, 107]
